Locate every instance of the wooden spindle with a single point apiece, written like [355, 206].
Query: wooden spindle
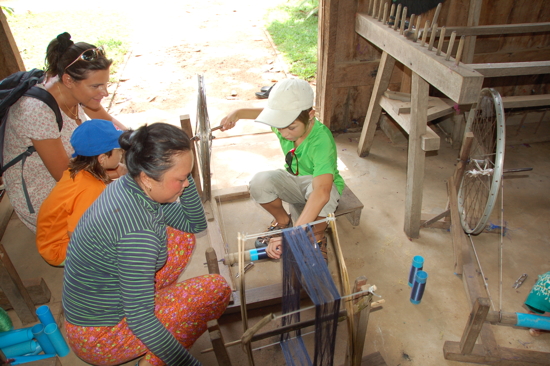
[432, 37]
[380, 10]
[436, 15]
[450, 46]
[459, 51]
[392, 11]
[397, 17]
[415, 38]
[385, 19]
[403, 20]
[425, 32]
[441, 40]
[375, 9]
[369, 9]
[411, 22]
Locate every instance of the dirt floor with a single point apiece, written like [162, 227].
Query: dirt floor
[225, 41]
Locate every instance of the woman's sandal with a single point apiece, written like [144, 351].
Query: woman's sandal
[263, 241]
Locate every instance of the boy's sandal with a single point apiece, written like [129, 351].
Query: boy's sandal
[263, 241]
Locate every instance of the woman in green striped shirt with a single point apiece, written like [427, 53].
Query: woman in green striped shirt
[120, 295]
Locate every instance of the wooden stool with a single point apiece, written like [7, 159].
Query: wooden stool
[349, 206]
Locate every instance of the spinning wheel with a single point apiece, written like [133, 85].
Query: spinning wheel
[482, 176]
[204, 136]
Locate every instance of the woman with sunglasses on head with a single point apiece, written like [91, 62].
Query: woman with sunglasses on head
[120, 295]
[78, 74]
[311, 176]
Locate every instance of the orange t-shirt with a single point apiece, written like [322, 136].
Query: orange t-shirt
[61, 211]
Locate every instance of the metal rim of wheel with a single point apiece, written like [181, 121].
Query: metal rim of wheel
[483, 174]
[204, 145]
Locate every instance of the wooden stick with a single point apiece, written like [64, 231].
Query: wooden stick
[380, 10]
[385, 19]
[425, 32]
[432, 37]
[397, 17]
[441, 40]
[450, 47]
[375, 9]
[415, 38]
[369, 10]
[392, 11]
[436, 15]
[411, 22]
[459, 51]
[403, 21]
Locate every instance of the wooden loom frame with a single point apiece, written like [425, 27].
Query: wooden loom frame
[429, 66]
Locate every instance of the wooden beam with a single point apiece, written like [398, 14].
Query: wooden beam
[492, 70]
[508, 356]
[461, 84]
[416, 156]
[218, 343]
[10, 58]
[37, 289]
[15, 291]
[501, 29]
[474, 325]
[524, 101]
[474, 13]
[373, 113]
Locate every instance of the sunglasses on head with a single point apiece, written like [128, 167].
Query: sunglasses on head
[90, 54]
[288, 160]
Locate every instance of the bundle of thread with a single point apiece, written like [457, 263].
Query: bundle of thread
[43, 340]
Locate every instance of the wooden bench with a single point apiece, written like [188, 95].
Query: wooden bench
[349, 206]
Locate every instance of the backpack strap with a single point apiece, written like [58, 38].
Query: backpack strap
[44, 96]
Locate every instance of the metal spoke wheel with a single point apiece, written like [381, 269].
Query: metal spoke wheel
[483, 174]
[204, 144]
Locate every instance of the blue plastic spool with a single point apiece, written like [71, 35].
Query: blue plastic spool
[417, 265]
[418, 287]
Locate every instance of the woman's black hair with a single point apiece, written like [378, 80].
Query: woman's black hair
[90, 164]
[62, 52]
[150, 149]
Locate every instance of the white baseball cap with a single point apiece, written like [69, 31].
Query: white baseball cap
[287, 99]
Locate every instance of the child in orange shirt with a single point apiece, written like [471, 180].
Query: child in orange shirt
[96, 147]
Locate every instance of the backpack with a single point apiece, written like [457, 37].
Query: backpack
[22, 83]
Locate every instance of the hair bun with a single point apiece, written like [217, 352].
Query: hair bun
[64, 40]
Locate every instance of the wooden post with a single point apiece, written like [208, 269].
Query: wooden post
[212, 261]
[416, 156]
[185, 123]
[373, 114]
[10, 58]
[15, 291]
[457, 233]
[361, 322]
[474, 325]
[218, 343]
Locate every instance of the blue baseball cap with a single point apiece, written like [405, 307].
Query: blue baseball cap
[95, 137]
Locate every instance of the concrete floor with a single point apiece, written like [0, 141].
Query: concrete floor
[405, 334]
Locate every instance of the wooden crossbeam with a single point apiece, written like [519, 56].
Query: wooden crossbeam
[489, 30]
[492, 70]
[462, 84]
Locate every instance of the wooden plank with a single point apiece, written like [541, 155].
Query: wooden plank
[231, 194]
[523, 101]
[6, 211]
[15, 291]
[37, 289]
[10, 58]
[361, 320]
[508, 356]
[461, 84]
[373, 113]
[374, 359]
[512, 68]
[474, 13]
[218, 343]
[500, 29]
[416, 156]
[217, 242]
[474, 325]
[257, 297]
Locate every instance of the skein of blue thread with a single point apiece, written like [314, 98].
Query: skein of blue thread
[417, 265]
[418, 287]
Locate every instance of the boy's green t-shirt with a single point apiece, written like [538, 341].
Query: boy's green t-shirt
[316, 154]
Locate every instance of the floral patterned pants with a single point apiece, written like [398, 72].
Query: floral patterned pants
[185, 320]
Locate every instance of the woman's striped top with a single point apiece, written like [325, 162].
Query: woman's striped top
[114, 252]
